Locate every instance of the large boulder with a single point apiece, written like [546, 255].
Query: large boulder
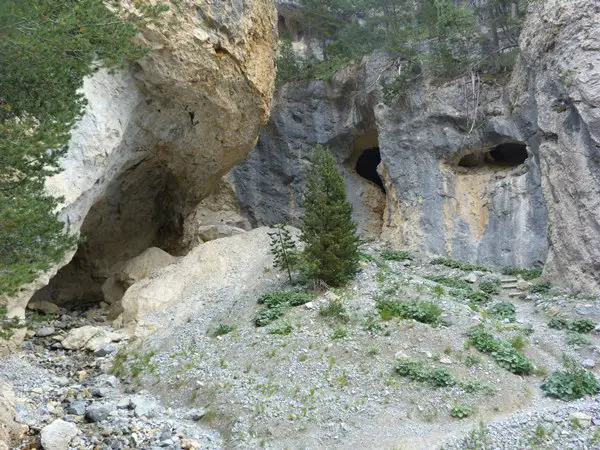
[223, 267]
[156, 137]
[58, 435]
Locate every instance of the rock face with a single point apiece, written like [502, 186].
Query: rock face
[515, 185]
[556, 90]
[8, 427]
[155, 139]
[418, 172]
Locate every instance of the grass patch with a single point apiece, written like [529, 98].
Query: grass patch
[393, 255]
[335, 310]
[502, 352]
[454, 283]
[282, 328]
[223, 329]
[453, 264]
[339, 332]
[526, 274]
[419, 310]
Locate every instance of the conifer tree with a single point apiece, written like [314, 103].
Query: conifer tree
[331, 251]
[283, 249]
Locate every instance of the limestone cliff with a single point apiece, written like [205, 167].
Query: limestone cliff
[155, 139]
[474, 169]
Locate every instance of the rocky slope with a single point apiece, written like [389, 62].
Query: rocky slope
[477, 169]
[318, 377]
[156, 139]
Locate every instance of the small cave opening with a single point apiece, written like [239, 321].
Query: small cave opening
[366, 166]
[502, 156]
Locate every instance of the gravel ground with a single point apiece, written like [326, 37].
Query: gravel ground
[327, 384]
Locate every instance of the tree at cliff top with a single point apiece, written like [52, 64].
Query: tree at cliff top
[331, 251]
[443, 36]
[46, 48]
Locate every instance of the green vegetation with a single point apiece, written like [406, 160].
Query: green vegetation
[283, 249]
[526, 274]
[282, 328]
[578, 326]
[490, 287]
[461, 411]
[572, 383]
[348, 30]
[576, 339]
[540, 288]
[47, 48]
[331, 250]
[502, 352]
[335, 310]
[503, 311]
[458, 265]
[392, 255]
[223, 329]
[518, 342]
[339, 332]
[419, 310]
[275, 304]
[416, 370]
[455, 283]
[558, 323]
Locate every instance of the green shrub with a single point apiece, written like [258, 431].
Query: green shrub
[455, 283]
[490, 287]
[526, 274]
[223, 329]
[576, 339]
[504, 310]
[275, 304]
[339, 332]
[581, 325]
[540, 288]
[335, 310]
[478, 297]
[282, 328]
[518, 342]
[571, 384]
[458, 265]
[392, 255]
[501, 351]
[419, 310]
[461, 411]
[416, 370]
[557, 323]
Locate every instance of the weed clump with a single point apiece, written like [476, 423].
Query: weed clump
[526, 274]
[275, 304]
[572, 383]
[503, 311]
[490, 287]
[393, 255]
[461, 411]
[419, 310]
[335, 310]
[416, 370]
[502, 352]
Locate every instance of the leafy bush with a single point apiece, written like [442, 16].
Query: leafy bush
[571, 384]
[458, 265]
[478, 297]
[526, 274]
[419, 310]
[576, 339]
[504, 310]
[339, 332]
[416, 370]
[461, 411]
[335, 310]
[392, 255]
[265, 316]
[276, 303]
[490, 287]
[581, 325]
[503, 353]
[540, 288]
[223, 329]
[557, 323]
[283, 328]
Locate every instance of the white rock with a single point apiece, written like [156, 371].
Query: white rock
[91, 337]
[471, 278]
[58, 435]
[588, 363]
[582, 419]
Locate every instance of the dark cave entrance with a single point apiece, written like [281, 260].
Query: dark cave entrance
[366, 166]
[502, 156]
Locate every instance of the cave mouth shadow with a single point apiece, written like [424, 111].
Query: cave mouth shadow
[366, 166]
[506, 156]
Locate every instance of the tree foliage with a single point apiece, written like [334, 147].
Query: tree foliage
[47, 47]
[443, 37]
[329, 234]
[283, 249]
